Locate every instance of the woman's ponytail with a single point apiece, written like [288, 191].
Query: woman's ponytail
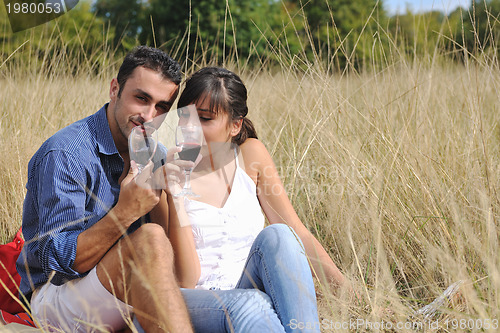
[247, 131]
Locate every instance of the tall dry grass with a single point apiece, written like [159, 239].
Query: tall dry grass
[397, 173]
[395, 170]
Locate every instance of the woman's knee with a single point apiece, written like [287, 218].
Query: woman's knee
[281, 237]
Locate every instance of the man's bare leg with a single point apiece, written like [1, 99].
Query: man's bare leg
[139, 271]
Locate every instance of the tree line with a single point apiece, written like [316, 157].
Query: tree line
[341, 34]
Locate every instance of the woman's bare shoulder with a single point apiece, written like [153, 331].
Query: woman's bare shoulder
[254, 151]
[255, 157]
[252, 147]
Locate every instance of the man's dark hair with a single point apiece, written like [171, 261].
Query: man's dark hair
[151, 58]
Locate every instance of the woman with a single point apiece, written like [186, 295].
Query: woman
[230, 248]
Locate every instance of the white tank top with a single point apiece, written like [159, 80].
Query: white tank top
[223, 236]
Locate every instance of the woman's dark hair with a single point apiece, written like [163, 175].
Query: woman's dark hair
[227, 93]
[151, 58]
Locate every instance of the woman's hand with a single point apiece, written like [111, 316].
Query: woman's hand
[171, 175]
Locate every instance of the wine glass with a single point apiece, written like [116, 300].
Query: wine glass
[142, 143]
[189, 138]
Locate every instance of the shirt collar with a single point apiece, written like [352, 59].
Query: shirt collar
[105, 143]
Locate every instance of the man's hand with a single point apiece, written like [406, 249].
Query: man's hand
[137, 197]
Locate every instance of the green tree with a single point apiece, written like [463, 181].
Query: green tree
[126, 17]
[482, 26]
[473, 30]
[251, 31]
[344, 28]
[173, 20]
[213, 29]
[419, 35]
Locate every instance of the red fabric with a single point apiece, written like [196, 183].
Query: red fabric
[8, 274]
[21, 318]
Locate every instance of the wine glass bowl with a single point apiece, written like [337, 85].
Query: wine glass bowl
[142, 142]
[189, 138]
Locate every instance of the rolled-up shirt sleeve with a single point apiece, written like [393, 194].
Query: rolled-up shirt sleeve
[62, 196]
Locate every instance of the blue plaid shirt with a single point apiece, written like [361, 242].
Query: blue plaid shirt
[72, 184]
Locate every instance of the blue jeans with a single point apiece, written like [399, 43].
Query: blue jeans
[275, 292]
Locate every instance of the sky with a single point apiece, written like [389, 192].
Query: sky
[446, 6]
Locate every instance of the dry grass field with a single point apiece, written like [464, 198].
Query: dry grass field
[395, 170]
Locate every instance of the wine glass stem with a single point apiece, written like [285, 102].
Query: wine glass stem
[187, 183]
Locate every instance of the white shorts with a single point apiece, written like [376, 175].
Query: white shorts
[80, 305]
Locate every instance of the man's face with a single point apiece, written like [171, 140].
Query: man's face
[146, 94]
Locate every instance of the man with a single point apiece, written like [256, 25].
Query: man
[80, 268]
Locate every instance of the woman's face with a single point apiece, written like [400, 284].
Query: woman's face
[217, 127]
